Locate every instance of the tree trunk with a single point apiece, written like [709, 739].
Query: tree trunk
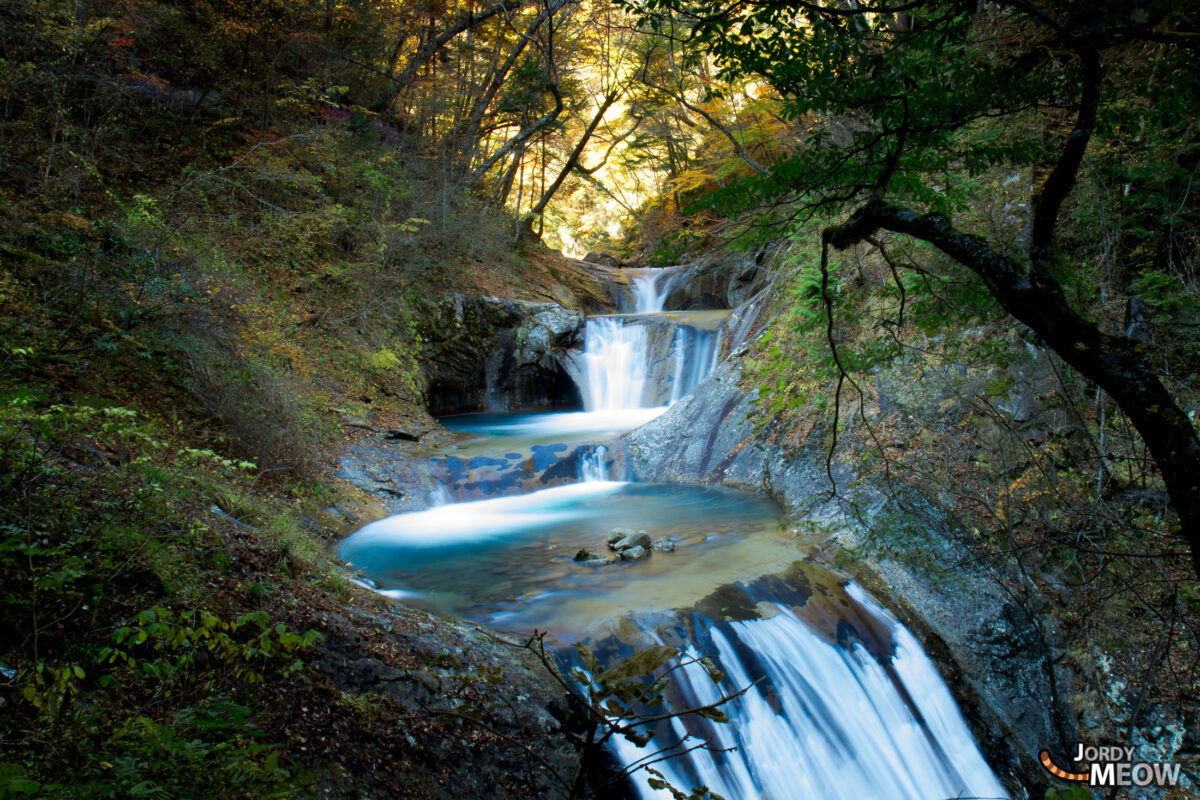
[467, 134]
[435, 43]
[522, 136]
[1115, 363]
[576, 154]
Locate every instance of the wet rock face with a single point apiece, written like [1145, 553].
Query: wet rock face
[604, 259]
[541, 337]
[528, 388]
[993, 656]
[722, 279]
[526, 371]
[458, 332]
[499, 354]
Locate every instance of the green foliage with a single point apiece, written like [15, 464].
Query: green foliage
[659, 783]
[383, 360]
[1068, 793]
[169, 647]
[672, 248]
[92, 503]
[210, 750]
[625, 700]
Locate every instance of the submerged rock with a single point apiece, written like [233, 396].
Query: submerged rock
[664, 544]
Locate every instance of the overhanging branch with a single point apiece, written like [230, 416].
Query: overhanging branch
[1028, 292]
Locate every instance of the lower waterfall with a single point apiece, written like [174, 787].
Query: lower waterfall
[615, 365]
[820, 719]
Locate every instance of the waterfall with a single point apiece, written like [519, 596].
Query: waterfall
[625, 357]
[615, 365]
[694, 353]
[828, 719]
[591, 464]
[839, 701]
[439, 496]
[651, 287]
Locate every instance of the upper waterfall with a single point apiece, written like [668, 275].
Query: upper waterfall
[649, 357]
[652, 286]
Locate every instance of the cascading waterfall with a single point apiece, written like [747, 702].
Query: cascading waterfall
[830, 720]
[617, 368]
[857, 716]
[695, 353]
[439, 496]
[652, 287]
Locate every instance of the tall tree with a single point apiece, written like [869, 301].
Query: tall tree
[901, 96]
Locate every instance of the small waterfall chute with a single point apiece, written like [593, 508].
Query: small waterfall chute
[652, 286]
[592, 465]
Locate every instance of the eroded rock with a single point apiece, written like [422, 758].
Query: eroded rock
[629, 540]
[635, 553]
[540, 338]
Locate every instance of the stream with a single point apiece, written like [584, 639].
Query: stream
[842, 701]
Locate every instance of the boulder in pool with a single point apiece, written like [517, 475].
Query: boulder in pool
[630, 540]
[664, 544]
[616, 535]
[634, 553]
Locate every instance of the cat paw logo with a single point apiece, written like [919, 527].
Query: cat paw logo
[1113, 767]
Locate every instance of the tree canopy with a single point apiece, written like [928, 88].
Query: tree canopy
[897, 104]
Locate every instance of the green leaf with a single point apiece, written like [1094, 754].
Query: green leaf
[590, 662]
[26, 786]
[639, 663]
[712, 669]
[715, 714]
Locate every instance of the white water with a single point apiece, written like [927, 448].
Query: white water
[440, 496]
[616, 368]
[558, 426]
[843, 727]
[592, 467]
[477, 521]
[695, 353]
[831, 721]
[651, 287]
